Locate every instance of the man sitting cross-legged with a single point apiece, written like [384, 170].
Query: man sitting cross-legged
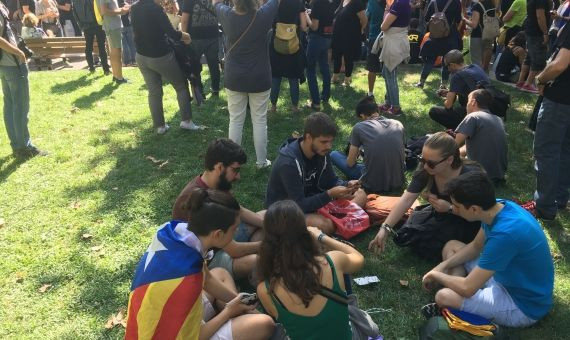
[483, 134]
[303, 173]
[223, 162]
[510, 274]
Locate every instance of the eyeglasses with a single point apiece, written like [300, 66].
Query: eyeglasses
[236, 169]
[431, 164]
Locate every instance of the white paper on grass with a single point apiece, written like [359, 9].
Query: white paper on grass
[362, 281]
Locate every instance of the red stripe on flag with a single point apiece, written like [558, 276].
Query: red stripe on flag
[178, 306]
[135, 304]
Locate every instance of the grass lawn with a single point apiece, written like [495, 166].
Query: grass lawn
[79, 219]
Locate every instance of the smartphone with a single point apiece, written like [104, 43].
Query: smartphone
[248, 299]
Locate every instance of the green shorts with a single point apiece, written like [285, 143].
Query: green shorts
[221, 259]
[114, 38]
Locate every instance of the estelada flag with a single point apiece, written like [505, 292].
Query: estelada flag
[165, 300]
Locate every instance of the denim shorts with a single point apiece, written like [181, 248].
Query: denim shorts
[243, 233]
[372, 61]
[223, 260]
[493, 302]
[536, 56]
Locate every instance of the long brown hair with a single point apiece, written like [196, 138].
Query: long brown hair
[288, 252]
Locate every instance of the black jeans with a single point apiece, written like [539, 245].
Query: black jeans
[449, 118]
[337, 55]
[90, 34]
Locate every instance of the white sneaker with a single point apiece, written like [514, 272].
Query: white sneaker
[267, 164]
[162, 130]
[190, 126]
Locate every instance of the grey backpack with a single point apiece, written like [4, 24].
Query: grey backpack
[438, 26]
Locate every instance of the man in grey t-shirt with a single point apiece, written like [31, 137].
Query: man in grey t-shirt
[112, 25]
[484, 136]
[382, 141]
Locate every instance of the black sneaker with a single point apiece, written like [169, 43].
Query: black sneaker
[430, 310]
[120, 81]
[92, 69]
[29, 152]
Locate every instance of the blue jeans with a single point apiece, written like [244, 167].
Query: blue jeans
[16, 90]
[129, 50]
[428, 66]
[317, 52]
[392, 91]
[552, 154]
[293, 90]
[339, 160]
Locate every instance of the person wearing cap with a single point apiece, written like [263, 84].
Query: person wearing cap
[463, 80]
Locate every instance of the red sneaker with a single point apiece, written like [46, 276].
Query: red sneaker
[529, 88]
[384, 108]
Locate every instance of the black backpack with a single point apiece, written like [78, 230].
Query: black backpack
[84, 13]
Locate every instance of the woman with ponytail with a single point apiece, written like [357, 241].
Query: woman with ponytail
[439, 163]
[174, 295]
[293, 271]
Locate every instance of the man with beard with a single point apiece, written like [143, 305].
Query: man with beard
[223, 162]
[303, 173]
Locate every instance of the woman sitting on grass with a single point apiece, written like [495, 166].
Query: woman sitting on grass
[293, 272]
[511, 60]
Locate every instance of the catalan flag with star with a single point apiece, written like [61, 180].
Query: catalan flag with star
[165, 300]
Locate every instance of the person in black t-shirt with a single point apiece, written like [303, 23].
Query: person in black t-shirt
[537, 24]
[68, 24]
[552, 135]
[200, 21]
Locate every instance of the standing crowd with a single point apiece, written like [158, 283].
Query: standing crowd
[494, 259]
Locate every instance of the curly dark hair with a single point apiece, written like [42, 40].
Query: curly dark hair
[288, 252]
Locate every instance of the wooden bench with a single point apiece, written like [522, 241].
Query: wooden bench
[57, 47]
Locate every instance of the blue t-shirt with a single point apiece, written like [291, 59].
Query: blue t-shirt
[517, 250]
[403, 11]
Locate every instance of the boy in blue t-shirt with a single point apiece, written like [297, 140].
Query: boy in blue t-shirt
[506, 273]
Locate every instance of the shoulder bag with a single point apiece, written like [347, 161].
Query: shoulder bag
[242, 35]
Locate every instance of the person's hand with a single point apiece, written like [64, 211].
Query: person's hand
[236, 307]
[439, 205]
[540, 88]
[378, 243]
[428, 281]
[341, 192]
[21, 57]
[354, 185]
[186, 38]
[315, 232]
[125, 9]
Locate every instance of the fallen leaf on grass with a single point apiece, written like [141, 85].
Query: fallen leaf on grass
[74, 109]
[158, 162]
[75, 205]
[96, 248]
[86, 237]
[404, 283]
[115, 320]
[2, 223]
[115, 188]
[44, 288]
[19, 278]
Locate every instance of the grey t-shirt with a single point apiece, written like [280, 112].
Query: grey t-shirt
[486, 142]
[246, 67]
[383, 143]
[110, 22]
[7, 58]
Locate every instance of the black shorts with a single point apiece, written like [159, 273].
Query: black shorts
[372, 62]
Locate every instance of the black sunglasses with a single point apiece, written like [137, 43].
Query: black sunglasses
[431, 164]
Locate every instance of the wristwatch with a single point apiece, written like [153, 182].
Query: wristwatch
[388, 228]
[450, 208]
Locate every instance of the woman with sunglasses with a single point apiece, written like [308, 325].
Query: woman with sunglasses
[440, 162]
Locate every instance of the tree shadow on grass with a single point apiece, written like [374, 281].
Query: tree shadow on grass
[72, 85]
[87, 101]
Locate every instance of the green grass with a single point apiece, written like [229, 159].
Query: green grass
[98, 181]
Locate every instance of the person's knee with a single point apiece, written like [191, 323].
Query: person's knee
[450, 248]
[360, 198]
[264, 326]
[221, 274]
[448, 298]
[253, 326]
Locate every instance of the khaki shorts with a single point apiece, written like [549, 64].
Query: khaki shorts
[114, 38]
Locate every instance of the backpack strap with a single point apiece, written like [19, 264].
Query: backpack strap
[435, 5]
[446, 5]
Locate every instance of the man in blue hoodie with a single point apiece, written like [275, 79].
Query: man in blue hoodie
[303, 172]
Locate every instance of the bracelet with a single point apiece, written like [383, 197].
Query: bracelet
[450, 209]
[387, 227]
[321, 236]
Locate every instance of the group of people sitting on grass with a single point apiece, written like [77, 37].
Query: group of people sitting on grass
[496, 263]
